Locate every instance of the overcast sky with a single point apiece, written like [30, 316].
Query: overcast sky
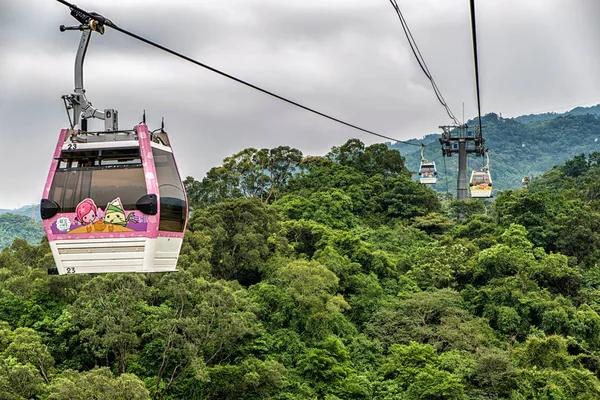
[348, 58]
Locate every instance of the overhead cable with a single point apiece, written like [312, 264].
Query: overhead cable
[474, 32]
[110, 24]
[421, 61]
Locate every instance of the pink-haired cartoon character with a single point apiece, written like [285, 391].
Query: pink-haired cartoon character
[87, 213]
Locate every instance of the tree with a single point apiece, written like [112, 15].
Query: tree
[546, 370]
[407, 199]
[332, 208]
[312, 287]
[243, 234]
[109, 312]
[250, 173]
[579, 236]
[416, 368]
[374, 159]
[494, 374]
[326, 365]
[27, 348]
[575, 167]
[197, 324]
[437, 317]
[538, 212]
[19, 381]
[249, 379]
[98, 383]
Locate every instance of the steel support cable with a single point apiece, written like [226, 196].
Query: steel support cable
[410, 38]
[415, 48]
[421, 61]
[109, 23]
[474, 34]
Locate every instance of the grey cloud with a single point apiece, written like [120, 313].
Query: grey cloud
[349, 59]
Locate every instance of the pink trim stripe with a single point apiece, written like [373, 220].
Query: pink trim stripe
[54, 163]
[149, 176]
[94, 236]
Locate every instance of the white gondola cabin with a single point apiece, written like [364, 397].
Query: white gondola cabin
[427, 172]
[113, 200]
[481, 184]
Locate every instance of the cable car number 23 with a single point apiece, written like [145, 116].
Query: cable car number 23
[70, 270]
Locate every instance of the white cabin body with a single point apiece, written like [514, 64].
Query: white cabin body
[481, 184]
[427, 172]
[114, 202]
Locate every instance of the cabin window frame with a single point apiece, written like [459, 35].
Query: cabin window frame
[82, 174]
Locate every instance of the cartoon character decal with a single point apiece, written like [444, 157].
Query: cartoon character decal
[90, 219]
[87, 213]
[115, 215]
[63, 224]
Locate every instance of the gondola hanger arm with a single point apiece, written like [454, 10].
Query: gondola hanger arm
[78, 102]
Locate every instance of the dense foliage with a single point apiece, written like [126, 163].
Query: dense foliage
[19, 226]
[343, 280]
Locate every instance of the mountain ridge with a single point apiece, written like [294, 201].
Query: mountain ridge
[30, 210]
[520, 146]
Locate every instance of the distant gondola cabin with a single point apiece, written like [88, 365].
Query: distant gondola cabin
[428, 173]
[481, 184]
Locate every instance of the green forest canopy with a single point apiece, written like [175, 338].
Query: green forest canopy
[342, 280]
[19, 226]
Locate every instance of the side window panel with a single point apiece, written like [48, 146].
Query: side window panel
[172, 198]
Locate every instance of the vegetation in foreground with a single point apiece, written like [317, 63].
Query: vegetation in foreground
[330, 277]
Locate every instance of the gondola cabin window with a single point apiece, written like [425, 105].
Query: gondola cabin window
[170, 188]
[102, 175]
[480, 178]
[429, 169]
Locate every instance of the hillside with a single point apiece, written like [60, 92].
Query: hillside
[594, 110]
[24, 223]
[32, 211]
[344, 281]
[523, 146]
[14, 226]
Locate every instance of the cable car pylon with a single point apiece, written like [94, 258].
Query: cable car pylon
[462, 140]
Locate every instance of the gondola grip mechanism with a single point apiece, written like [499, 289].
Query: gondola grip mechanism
[81, 107]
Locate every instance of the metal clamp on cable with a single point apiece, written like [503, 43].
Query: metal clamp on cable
[96, 26]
